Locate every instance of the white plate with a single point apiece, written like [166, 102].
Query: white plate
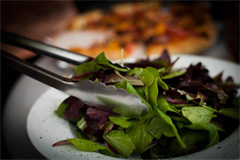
[45, 127]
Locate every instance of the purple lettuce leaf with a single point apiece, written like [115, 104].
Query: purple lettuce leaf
[60, 143]
[172, 93]
[195, 73]
[197, 79]
[92, 129]
[100, 75]
[218, 78]
[175, 101]
[228, 86]
[96, 120]
[163, 61]
[222, 96]
[165, 56]
[92, 124]
[74, 105]
[99, 115]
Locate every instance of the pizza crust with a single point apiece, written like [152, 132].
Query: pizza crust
[189, 45]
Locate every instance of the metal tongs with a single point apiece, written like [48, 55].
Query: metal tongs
[106, 98]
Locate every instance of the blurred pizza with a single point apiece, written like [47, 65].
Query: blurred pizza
[181, 28]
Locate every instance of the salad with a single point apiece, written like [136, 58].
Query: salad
[189, 111]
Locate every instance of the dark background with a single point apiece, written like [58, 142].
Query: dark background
[30, 19]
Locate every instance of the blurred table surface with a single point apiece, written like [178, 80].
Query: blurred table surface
[24, 93]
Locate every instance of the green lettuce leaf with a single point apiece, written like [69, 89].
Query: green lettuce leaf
[229, 112]
[164, 106]
[180, 119]
[211, 128]
[61, 109]
[140, 135]
[119, 78]
[108, 127]
[153, 93]
[155, 73]
[131, 90]
[189, 137]
[145, 76]
[120, 121]
[174, 74]
[198, 115]
[120, 141]
[168, 120]
[101, 59]
[86, 145]
[86, 70]
[157, 127]
[236, 102]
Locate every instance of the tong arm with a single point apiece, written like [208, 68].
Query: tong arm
[43, 49]
[99, 95]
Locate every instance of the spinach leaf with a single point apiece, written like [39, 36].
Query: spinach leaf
[168, 120]
[198, 115]
[162, 84]
[236, 102]
[131, 90]
[117, 77]
[190, 138]
[86, 145]
[229, 112]
[157, 127]
[177, 150]
[61, 109]
[211, 128]
[180, 119]
[164, 106]
[140, 135]
[174, 74]
[153, 93]
[155, 73]
[86, 70]
[120, 121]
[120, 141]
[159, 152]
[101, 59]
[140, 90]
[145, 76]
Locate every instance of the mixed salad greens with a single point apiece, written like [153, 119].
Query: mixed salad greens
[188, 110]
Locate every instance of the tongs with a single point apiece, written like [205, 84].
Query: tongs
[99, 95]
